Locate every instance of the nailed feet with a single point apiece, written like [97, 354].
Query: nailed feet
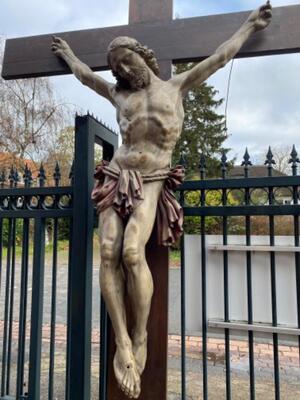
[126, 371]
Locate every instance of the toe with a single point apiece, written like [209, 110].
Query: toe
[123, 384]
[137, 390]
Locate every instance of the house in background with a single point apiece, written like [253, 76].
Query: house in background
[9, 160]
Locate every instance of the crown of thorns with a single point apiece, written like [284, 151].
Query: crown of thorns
[132, 44]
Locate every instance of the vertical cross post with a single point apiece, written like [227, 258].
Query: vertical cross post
[154, 378]
[153, 11]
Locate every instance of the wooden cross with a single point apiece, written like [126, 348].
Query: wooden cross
[151, 23]
[181, 40]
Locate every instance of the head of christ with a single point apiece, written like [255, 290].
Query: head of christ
[130, 63]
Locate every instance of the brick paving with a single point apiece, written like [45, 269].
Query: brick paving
[289, 367]
[288, 355]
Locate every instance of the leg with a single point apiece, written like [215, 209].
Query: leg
[112, 288]
[140, 283]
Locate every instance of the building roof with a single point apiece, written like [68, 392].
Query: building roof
[259, 171]
[255, 171]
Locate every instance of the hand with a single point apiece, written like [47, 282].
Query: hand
[60, 47]
[261, 18]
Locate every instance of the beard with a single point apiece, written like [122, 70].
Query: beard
[134, 80]
[138, 78]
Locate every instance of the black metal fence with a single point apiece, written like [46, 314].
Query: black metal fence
[258, 196]
[26, 213]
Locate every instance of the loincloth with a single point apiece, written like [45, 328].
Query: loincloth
[123, 190]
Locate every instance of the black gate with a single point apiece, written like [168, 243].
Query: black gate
[31, 210]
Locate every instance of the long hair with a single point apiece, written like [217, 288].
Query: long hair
[131, 44]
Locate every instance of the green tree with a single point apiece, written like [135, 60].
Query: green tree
[203, 129]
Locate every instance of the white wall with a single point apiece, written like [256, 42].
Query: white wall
[285, 274]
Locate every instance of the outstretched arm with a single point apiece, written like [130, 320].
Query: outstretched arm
[258, 19]
[82, 71]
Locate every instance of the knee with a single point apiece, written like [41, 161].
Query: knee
[109, 252]
[131, 256]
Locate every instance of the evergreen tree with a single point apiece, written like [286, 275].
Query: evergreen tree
[203, 129]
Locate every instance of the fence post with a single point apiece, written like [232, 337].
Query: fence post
[80, 300]
[37, 310]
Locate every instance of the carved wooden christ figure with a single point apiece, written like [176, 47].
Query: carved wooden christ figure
[137, 184]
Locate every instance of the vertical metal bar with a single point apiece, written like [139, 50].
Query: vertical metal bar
[203, 286]
[249, 297]
[103, 350]
[226, 312]
[1, 249]
[6, 310]
[81, 265]
[183, 316]
[297, 255]
[297, 270]
[226, 297]
[68, 365]
[23, 308]
[273, 294]
[37, 309]
[11, 307]
[53, 310]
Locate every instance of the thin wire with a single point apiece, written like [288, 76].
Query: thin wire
[227, 94]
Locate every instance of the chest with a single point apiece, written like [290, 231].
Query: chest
[153, 100]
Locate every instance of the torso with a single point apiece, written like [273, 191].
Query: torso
[150, 121]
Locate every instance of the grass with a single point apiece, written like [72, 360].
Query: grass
[62, 246]
[63, 252]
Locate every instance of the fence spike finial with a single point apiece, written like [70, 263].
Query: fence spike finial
[42, 175]
[246, 159]
[71, 174]
[57, 174]
[246, 163]
[202, 165]
[16, 178]
[2, 178]
[11, 176]
[270, 158]
[224, 163]
[270, 161]
[26, 176]
[294, 160]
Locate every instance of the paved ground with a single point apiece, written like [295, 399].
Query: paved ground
[289, 356]
[289, 367]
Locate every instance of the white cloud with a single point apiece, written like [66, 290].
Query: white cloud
[32, 17]
[264, 102]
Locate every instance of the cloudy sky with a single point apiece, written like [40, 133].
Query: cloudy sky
[264, 100]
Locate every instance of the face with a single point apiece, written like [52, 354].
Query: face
[130, 66]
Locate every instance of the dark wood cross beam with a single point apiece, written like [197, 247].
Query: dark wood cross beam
[178, 40]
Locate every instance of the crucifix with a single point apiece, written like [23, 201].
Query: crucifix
[180, 40]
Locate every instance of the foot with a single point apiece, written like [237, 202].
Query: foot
[126, 372]
[140, 351]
